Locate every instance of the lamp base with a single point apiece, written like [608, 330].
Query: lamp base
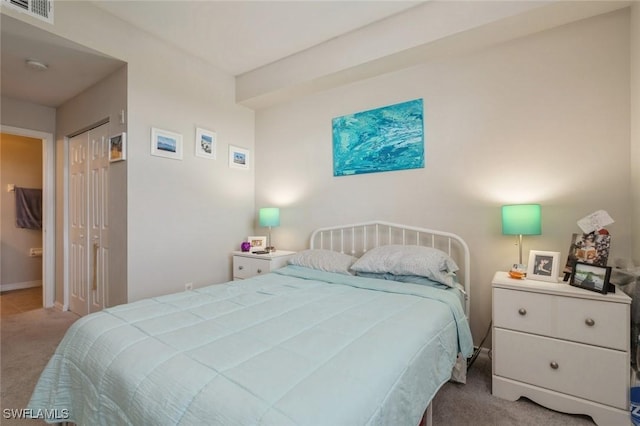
[270, 249]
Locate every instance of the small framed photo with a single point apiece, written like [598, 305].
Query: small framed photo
[591, 277]
[238, 157]
[206, 143]
[118, 147]
[257, 243]
[543, 265]
[166, 144]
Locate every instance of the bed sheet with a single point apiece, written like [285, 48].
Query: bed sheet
[293, 347]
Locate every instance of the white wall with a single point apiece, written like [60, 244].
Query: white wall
[635, 128]
[103, 101]
[183, 217]
[540, 119]
[26, 115]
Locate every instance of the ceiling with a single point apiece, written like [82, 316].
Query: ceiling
[235, 36]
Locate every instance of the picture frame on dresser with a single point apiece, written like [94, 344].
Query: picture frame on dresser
[591, 277]
[543, 265]
[257, 243]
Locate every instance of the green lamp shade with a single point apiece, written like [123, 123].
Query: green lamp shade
[269, 216]
[521, 219]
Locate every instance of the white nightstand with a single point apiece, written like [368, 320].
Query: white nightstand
[563, 347]
[247, 265]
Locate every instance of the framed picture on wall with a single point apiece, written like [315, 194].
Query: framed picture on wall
[166, 144]
[238, 157]
[206, 144]
[543, 265]
[118, 147]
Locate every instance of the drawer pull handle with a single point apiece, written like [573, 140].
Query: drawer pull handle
[590, 322]
[259, 271]
[553, 365]
[522, 311]
[241, 267]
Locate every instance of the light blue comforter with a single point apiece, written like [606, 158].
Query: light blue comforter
[294, 347]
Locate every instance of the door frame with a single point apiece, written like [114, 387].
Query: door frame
[48, 208]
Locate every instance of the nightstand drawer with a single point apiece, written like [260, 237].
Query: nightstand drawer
[523, 311]
[593, 322]
[246, 267]
[578, 320]
[588, 372]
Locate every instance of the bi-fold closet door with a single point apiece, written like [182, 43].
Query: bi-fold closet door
[88, 220]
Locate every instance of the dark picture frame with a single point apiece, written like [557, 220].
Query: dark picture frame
[591, 277]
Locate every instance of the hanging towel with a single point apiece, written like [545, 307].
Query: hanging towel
[28, 208]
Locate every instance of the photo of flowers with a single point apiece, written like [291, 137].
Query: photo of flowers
[206, 144]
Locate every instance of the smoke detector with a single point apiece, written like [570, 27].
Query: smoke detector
[34, 64]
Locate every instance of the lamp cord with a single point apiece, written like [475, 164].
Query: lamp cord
[476, 352]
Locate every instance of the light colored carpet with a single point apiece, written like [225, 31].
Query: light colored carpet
[472, 404]
[29, 339]
[27, 342]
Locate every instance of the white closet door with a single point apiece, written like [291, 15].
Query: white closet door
[98, 217]
[78, 235]
[88, 221]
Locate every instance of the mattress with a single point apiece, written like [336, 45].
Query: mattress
[293, 347]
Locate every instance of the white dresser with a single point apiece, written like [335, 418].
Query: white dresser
[247, 265]
[563, 347]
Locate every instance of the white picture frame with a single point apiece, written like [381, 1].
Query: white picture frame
[206, 142]
[166, 144]
[239, 157]
[543, 266]
[257, 243]
[118, 147]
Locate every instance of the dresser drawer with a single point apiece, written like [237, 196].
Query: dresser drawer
[593, 373]
[247, 267]
[523, 311]
[593, 322]
[564, 317]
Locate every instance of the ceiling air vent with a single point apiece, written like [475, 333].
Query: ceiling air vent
[42, 9]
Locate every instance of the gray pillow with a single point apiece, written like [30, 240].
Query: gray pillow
[324, 260]
[409, 260]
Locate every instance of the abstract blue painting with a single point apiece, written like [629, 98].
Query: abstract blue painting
[379, 140]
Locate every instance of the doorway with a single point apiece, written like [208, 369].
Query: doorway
[48, 208]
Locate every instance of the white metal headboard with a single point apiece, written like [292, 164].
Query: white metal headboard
[357, 238]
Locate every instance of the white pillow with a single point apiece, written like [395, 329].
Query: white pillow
[409, 260]
[324, 260]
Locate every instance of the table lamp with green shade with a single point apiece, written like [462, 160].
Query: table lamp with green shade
[269, 217]
[521, 219]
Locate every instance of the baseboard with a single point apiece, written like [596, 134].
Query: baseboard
[484, 352]
[60, 307]
[20, 286]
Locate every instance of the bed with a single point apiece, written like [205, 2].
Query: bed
[356, 330]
